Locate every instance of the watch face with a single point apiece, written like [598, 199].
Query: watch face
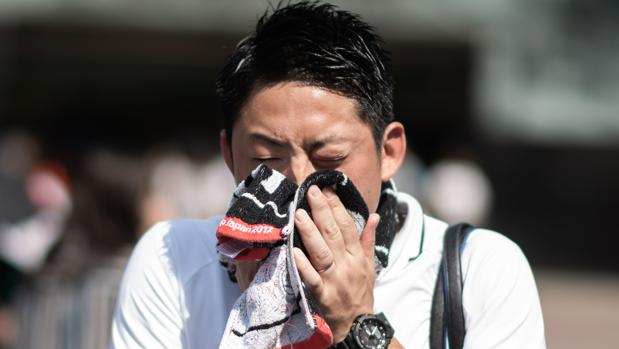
[371, 333]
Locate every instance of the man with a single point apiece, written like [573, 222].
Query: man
[311, 89]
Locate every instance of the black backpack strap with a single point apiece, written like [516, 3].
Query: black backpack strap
[447, 314]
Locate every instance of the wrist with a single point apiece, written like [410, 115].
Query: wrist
[343, 328]
[368, 331]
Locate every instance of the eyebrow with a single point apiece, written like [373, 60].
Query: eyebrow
[267, 139]
[315, 144]
[318, 143]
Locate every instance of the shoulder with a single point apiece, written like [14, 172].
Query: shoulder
[494, 264]
[180, 247]
[150, 309]
[500, 298]
[490, 261]
[492, 252]
[481, 238]
[483, 248]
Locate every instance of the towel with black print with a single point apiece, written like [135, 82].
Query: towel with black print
[343, 188]
[386, 229]
[257, 219]
[356, 207]
[276, 311]
[273, 312]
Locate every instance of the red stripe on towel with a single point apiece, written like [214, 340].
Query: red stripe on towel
[235, 228]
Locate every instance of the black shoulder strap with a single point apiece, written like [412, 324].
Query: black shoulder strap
[447, 314]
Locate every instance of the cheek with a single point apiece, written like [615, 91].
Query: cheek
[366, 177]
[242, 165]
[370, 190]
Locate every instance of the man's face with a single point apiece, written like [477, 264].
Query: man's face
[297, 129]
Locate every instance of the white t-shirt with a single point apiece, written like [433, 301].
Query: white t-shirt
[174, 293]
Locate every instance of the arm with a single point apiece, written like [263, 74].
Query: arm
[148, 309]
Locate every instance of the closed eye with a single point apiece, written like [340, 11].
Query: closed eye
[329, 163]
[338, 159]
[265, 159]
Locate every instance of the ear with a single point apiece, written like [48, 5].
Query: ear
[226, 151]
[393, 150]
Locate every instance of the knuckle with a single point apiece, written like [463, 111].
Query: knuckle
[325, 265]
[348, 224]
[331, 229]
[314, 284]
[322, 204]
[333, 200]
[323, 256]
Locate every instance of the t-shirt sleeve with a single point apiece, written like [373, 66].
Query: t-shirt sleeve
[500, 299]
[148, 310]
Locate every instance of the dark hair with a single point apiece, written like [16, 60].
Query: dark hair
[316, 44]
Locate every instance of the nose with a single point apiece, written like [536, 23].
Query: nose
[299, 167]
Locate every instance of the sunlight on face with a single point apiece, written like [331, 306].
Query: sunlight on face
[298, 129]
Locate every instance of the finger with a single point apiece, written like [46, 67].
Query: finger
[324, 220]
[347, 226]
[320, 254]
[308, 274]
[368, 235]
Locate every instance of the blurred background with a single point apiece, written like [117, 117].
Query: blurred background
[109, 122]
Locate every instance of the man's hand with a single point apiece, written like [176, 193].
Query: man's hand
[340, 270]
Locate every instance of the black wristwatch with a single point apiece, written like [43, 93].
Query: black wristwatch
[371, 331]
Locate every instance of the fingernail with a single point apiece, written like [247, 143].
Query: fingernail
[377, 217]
[314, 191]
[300, 215]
